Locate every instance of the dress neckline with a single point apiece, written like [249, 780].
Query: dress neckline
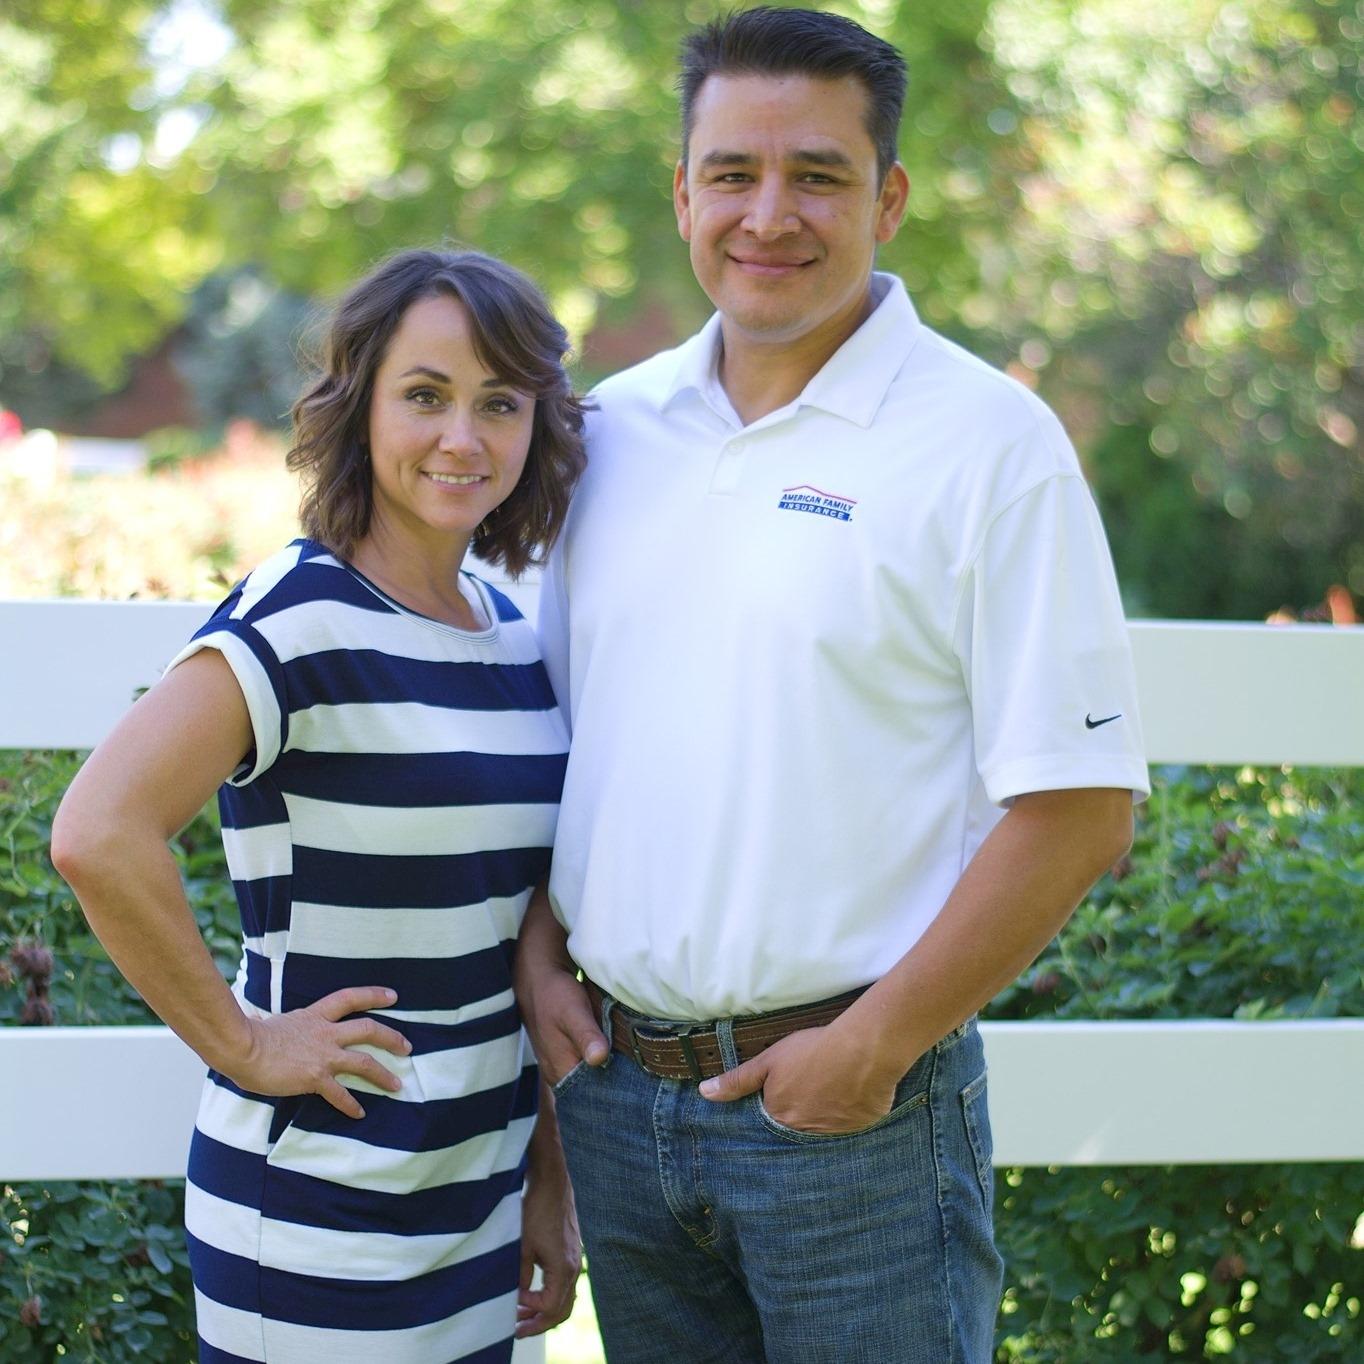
[480, 589]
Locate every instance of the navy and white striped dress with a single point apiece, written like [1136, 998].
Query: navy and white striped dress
[387, 829]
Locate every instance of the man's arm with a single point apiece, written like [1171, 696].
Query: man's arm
[558, 1015]
[1016, 893]
[549, 1229]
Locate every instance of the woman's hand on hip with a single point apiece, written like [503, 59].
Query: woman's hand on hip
[305, 1050]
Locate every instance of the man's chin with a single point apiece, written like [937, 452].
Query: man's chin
[766, 321]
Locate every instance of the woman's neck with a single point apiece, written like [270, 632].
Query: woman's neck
[416, 577]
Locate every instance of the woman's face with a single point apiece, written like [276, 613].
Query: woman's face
[447, 437]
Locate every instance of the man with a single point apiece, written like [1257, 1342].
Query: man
[854, 729]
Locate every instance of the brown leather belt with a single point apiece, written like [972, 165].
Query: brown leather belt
[691, 1051]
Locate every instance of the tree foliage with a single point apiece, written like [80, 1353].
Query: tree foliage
[239, 351]
[1189, 249]
[95, 251]
[545, 133]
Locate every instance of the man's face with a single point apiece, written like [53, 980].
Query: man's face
[780, 204]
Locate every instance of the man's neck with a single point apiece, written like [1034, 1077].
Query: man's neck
[761, 376]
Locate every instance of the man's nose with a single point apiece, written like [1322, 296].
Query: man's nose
[771, 209]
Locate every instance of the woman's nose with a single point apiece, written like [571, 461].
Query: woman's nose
[459, 433]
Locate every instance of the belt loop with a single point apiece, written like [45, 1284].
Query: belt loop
[724, 1035]
[689, 1056]
[607, 1004]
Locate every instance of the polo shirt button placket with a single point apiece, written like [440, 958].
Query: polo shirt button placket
[729, 466]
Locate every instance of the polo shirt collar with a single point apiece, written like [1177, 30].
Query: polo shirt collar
[696, 364]
[854, 380]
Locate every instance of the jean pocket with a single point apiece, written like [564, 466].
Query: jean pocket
[911, 1093]
[566, 1081]
[976, 1116]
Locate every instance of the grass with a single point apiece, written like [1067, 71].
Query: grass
[577, 1340]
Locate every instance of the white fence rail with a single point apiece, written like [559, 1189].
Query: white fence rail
[1210, 693]
[1071, 1093]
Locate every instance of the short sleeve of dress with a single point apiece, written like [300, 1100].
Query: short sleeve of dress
[1044, 650]
[261, 678]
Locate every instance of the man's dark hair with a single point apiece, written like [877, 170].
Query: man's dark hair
[790, 42]
[514, 334]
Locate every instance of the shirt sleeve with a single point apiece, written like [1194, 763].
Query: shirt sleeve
[552, 628]
[1045, 653]
[261, 678]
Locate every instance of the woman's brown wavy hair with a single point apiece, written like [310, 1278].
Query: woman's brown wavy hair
[514, 334]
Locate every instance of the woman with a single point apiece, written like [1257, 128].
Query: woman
[390, 759]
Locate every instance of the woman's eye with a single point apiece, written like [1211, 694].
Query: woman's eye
[502, 405]
[424, 397]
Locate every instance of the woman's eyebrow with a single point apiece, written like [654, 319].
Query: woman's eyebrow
[443, 378]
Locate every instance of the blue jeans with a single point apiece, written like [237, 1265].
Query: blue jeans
[715, 1233]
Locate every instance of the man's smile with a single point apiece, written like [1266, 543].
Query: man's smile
[770, 266]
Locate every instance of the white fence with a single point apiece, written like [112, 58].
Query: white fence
[1061, 1093]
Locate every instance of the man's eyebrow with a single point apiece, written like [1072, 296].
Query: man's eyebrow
[805, 156]
[825, 156]
[441, 378]
[723, 158]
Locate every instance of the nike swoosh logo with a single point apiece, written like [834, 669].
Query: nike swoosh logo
[1107, 720]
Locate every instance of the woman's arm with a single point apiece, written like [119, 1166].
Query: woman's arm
[143, 784]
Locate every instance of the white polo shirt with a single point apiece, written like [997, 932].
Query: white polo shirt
[808, 661]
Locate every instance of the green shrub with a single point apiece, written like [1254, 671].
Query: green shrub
[89, 1270]
[1243, 897]
[169, 446]
[95, 1272]
[37, 907]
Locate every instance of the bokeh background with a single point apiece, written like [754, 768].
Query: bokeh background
[1154, 214]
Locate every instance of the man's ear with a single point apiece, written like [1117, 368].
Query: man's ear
[682, 202]
[890, 209]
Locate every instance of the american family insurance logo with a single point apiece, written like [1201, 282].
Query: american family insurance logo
[816, 502]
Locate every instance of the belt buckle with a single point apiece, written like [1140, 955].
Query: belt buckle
[681, 1035]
